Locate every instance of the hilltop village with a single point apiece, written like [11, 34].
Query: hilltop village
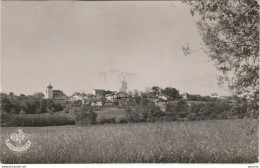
[101, 97]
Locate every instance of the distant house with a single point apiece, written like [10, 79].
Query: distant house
[97, 92]
[108, 103]
[214, 95]
[94, 102]
[121, 95]
[111, 97]
[77, 97]
[90, 96]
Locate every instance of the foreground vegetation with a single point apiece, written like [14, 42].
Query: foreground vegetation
[218, 141]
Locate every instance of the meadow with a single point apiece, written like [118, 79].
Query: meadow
[212, 141]
[110, 112]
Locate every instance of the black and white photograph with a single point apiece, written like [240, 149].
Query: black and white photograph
[126, 82]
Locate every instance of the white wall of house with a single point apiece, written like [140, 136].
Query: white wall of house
[162, 97]
[96, 104]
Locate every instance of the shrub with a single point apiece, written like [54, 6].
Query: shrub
[213, 115]
[195, 108]
[143, 113]
[57, 107]
[86, 116]
[154, 111]
[224, 115]
[145, 102]
[192, 116]
[104, 120]
[171, 108]
[123, 102]
[121, 119]
[182, 106]
[132, 115]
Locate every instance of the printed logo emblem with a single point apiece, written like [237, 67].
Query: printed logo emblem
[17, 138]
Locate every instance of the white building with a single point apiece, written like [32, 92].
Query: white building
[77, 97]
[111, 97]
[163, 97]
[185, 96]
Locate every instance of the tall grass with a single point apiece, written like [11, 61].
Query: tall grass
[227, 141]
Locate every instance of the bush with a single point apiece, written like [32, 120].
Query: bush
[195, 108]
[132, 115]
[170, 118]
[105, 120]
[192, 116]
[143, 113]
[86, 116]
[155, 111]
[182, 106]
[121, 119]
[57, 107]
[145, 102]
[213, 115]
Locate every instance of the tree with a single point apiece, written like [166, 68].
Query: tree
[5, 104]
[25, 105]
[43, 105]
[76, 94]
[147, 92]
[123, 87]
[22, 96]
[144, 102]
[130, 93]
[155, 91]
[49, 105]
[11, 95]
[38, 95]
[86, 116]
[171, 92]
[230, 32]
[136, 93]
[83, 94]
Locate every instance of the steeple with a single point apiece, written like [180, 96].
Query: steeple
[49, 86]
[49, 92]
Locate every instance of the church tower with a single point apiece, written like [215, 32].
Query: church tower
[49, 92]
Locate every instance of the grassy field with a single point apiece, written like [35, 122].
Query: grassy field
[218, 141]
[110, 112]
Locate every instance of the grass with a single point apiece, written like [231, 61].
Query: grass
[218, 141]
[111, 112]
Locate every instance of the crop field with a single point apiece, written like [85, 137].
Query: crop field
[213, 141]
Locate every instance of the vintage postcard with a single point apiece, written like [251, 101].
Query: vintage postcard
[129, 82]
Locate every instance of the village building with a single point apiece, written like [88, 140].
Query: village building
[111, 97]
[214, 95]
[77, 98]
[97, 92]
[121, 95]
[54, 94]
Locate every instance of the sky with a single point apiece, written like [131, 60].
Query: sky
[81, 46]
